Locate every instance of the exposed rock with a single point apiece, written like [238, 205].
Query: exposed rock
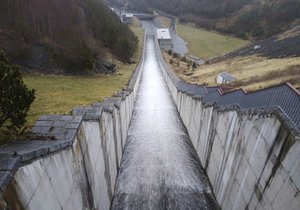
[104, 67]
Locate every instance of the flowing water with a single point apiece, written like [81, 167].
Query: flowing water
[159, 169]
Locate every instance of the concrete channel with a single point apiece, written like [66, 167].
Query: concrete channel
[160, 168]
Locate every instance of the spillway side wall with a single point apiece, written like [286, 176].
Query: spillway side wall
[251, 159]
[76, 171]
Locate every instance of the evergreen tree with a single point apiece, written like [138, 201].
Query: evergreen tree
[15, 97]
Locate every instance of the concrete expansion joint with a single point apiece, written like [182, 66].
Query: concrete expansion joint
[227, 108]
[209, 104]
[91, 118]
[108, 110]
[123, 94]
[198, 98]
[115, 101]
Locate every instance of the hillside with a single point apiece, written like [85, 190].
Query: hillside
[72, 35]
[70, 91]
[206, 44]
[243, 18]
[262, 64]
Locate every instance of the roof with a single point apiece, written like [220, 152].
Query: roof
[163, 33]
[227, 76]
[129, 15]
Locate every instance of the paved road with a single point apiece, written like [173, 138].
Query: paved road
[179, 45]
[160, 168]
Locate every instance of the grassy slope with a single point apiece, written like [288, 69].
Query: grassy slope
[252, 72]
[59, 94]
[165, 21]
[206, 44]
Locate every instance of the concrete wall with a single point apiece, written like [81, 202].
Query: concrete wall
[82, 176]
[252, 160]
[76, 165]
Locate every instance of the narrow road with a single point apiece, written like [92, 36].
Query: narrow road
[160, 168]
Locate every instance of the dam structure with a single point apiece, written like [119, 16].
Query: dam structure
[161, 143]
[160, 168]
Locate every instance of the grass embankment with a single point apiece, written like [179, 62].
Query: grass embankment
[206, 44]
[252, 72]
[59, 94]
[202, 43]
[164, 21]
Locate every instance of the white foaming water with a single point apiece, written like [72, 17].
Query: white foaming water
[159, 169]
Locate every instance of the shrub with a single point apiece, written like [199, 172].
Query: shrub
[194, 65]
[188, 65]
[77, 60]
[175, 55]
[15, 97]
[184, 59]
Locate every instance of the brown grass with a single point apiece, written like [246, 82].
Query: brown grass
[165, 21]
[252, 72]
[288, 34]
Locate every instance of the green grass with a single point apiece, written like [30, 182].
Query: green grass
[59, 94]
[206, 44]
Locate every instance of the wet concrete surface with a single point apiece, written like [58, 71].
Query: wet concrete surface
[179, 45]
[160, 168]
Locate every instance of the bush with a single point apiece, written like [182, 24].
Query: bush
[175, 55]
[183, 59]
[77, 60]
[15, 98]
[170, 52]
[194, 65]
[188, 65]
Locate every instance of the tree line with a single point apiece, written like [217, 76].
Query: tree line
[71, 33]
[243, 18]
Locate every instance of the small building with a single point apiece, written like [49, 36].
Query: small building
[195, 59]
[225, 78]
[164, 38]
[127, 18]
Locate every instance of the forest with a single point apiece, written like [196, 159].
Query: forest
[66, 34]
[243, 18]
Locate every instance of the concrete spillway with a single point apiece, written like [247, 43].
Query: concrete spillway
[159, 169]
[133, 151]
